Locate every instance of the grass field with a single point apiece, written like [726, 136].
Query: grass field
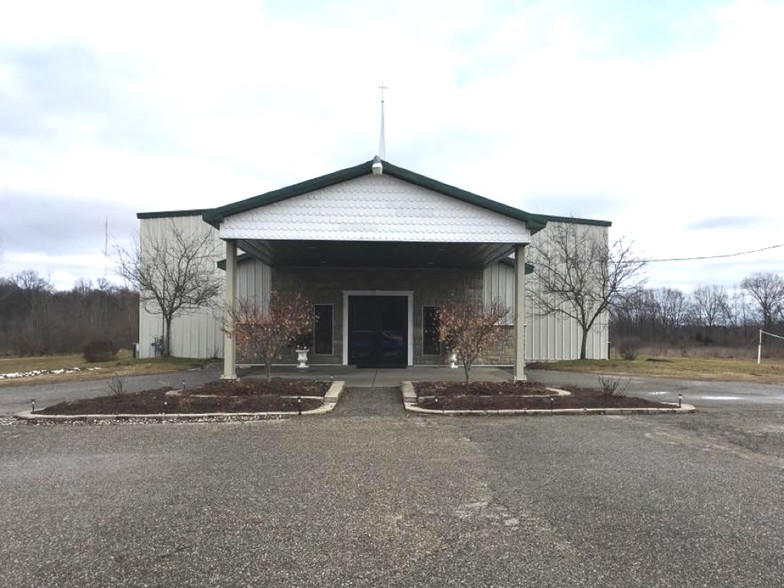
[124, 365]
[771, 371]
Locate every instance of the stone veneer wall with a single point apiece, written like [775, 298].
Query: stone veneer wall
[503, 352]
[431, 287]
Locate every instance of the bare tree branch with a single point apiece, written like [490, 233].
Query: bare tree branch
[264, 333]
[578, 274]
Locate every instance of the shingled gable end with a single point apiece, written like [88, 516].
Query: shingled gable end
[376, 252]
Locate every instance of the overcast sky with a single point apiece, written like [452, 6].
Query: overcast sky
[665, 117]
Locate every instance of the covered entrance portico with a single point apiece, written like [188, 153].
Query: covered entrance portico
[379, 245]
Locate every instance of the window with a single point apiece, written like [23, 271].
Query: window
[430, 343]
[323, 330]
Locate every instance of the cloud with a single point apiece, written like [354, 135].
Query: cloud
[595, 206]
[61, 79]
[63, 271]
[56, 226]
[63, 239]
[725, 222]
[727, 273]
[661, 117]
[56, 92]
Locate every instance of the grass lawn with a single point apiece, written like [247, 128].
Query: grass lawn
[124, 365]
[688, 368]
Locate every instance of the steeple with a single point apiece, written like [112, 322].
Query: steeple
[382, 148]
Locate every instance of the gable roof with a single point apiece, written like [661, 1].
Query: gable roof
[215, 216]
[574, 219]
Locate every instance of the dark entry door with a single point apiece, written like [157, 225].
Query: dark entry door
[378, 331]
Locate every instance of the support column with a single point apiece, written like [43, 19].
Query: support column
[230, 293]
[519, 322]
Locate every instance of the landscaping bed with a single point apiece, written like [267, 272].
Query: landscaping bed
[276, 395]
[287, 395]
[519, 396]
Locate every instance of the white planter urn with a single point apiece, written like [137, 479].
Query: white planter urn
[302, 358]
[451, 359]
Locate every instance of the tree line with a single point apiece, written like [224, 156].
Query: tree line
[36, 319]
[709, 314]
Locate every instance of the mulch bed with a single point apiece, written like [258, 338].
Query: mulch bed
[452, 389]
[220, 396]
[518, 396]
[261, 387]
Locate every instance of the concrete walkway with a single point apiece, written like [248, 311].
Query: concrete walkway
[364, 402]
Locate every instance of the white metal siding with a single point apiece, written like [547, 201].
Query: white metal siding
[253, 281]
[375, 208]
[499, 282]
[198, 333]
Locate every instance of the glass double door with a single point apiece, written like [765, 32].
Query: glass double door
[378, 331]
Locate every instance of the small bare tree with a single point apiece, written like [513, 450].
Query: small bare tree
[264, 334]
[116, 386]
[468, 328]
[578, 274]
[613, 385]
[174, 272]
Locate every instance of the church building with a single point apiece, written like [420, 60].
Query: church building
[376, 249]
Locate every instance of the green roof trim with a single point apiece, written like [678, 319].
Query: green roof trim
[172, 213]
[240, 258]
[576, 220]
[215, 216]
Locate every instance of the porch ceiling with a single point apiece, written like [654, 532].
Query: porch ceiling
[300, 253]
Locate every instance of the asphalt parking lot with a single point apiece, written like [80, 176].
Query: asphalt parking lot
[370, 496]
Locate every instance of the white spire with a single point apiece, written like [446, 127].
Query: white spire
[382, 148]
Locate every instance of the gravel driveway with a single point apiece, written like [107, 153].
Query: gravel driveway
[396, 500]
